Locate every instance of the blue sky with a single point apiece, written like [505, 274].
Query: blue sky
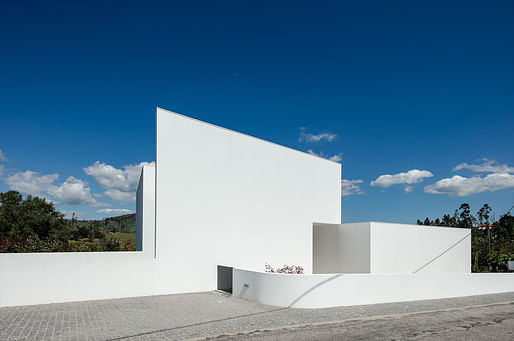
[390, 87]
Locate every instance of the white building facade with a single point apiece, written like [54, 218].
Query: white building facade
[217, 197]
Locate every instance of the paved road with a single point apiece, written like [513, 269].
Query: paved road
[176, 317]
[491, 322]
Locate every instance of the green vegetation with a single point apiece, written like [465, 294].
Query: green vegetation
[125, 223]
[492, 242]
[34, 225]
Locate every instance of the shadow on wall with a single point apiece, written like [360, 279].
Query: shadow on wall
[312, 289]
[442, 253]
[318, 285]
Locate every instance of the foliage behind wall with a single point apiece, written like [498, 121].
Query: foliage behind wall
[492, 242]
[34, 225]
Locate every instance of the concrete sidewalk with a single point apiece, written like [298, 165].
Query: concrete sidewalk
[175, 317]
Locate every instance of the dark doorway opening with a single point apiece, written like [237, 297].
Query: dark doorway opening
[225, 278]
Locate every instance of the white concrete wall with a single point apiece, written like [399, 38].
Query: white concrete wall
[223, 198]
[341, 248]
[322, 291]
[220, 197]
[390, 248]
[227, 198]
[145, 211]
[398, 248]
[37, 278]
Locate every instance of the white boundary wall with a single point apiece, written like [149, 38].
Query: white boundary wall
[330, 290]
[373, 247]
[225, 198]
[37, 278]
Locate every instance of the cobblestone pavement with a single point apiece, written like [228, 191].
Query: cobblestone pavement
[176, 317]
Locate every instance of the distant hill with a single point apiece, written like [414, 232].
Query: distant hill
[122, 223]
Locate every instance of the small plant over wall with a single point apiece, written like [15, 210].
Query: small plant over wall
[285, 269]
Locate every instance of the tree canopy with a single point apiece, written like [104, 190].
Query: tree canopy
[492, 242]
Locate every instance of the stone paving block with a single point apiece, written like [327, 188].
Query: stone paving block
[177, 317]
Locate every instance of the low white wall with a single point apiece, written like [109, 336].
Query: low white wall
[330, 290]
[37, 278]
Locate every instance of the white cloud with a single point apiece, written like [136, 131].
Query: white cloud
[30, 182]
[120, 184]
[1, 169]
[350, 187]
[2, 156]
[118, 195]
[408, 189]
[460, 186]
[487, 166]
[114, 211]
[108, 176]
[73, 191]
[308, 137]
[335, 157]
[410, 177]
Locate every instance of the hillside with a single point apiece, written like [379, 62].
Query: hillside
[123, 223]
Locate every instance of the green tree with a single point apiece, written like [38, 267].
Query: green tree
[465, 219]
[484, 213]
[10, 203]
[492, 246]
[21, 221]
[448, 221]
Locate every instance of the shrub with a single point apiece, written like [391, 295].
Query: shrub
[285, 269]
[111, 244]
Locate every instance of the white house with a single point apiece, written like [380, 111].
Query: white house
[219, 205]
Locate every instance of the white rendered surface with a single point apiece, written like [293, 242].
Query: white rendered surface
[227, 198]
[373, 247]
[37, 278]
[329, 290]
[218, 197]
[145, 211]
[341, 248]
[222, 198]
[398, 248]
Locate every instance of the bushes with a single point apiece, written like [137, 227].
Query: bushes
[32, 243]
[499, 261]
[286, 269]
[110, 244]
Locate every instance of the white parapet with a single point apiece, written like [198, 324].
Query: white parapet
[331, 290]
